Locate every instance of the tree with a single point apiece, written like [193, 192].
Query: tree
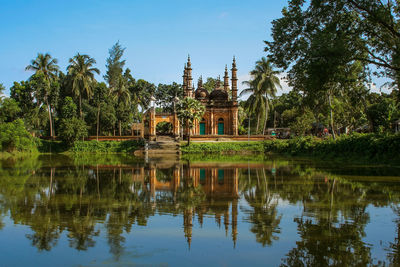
[9, 110]
[2, 89]
[142, 91]
[189, 110]
[114, 65]
[322, 47]
[72, 129]
[302, 123]
[255, 103]
[46, 69]
[266, 81]
[99, 96]
[165, 95]
[210, 84]
[81, 73]
[123, 99]
[14, 136]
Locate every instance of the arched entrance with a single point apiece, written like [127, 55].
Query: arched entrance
[164, 128]
[221, 126]
[168, 120]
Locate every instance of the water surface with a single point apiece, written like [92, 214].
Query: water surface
[96, 210]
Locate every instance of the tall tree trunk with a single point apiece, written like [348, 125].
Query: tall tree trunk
[98, 121]
[119, 126]
[266, 114]
[80, 106]
[331, 115]
[50, 120]
[188, 143]
[258, 122]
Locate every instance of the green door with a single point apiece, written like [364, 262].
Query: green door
[202, 128]
[202, 175]
[220, 128]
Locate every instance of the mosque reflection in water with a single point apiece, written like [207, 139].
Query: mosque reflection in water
[204, 182]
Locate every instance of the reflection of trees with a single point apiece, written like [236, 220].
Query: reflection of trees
[326, 244]
[58, 195]
[394, 247]
[263, 213]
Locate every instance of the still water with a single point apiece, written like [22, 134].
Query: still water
[120, 211]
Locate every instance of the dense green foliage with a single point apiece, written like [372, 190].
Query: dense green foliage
[72, 130]
[14, 137]
[330, 50]
[223, 147]
[363, 146]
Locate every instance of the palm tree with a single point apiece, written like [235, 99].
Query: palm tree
[81, 73]
[189, 110]
[46, 65]
[265, 82]
[122, 95]
[255, 103]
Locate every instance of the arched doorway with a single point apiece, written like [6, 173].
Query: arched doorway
[164, 128]
[203, 127]
[221, 126]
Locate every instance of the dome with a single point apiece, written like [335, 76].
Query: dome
[219, 94]
[201, 93]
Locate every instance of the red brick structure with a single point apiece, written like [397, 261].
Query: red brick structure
[221, 115]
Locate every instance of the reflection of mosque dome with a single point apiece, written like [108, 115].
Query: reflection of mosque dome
[201, 93]
[219, 94]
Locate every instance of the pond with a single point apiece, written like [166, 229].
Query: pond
[116, 210]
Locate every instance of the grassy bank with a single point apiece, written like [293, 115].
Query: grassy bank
[129, 146]
[223, 147]
[355, 146]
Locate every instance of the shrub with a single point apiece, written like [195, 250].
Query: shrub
[72, 129]
[14, 137]
[218, 147]
[354, 145]
[107, 146]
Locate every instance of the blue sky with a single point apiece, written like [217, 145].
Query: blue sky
[158, 35]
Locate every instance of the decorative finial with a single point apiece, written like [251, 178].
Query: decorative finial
[234, 62]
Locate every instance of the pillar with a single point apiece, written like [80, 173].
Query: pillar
[152, 124]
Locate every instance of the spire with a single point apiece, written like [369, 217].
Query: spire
[234, 80]
[189, 87]
[226, 79]
[184, 84]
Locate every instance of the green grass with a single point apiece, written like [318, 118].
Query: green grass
[223, 147]
[94, 146]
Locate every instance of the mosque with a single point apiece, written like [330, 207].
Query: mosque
[221, 107]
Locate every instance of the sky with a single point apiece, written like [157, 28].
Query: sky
[158, 35]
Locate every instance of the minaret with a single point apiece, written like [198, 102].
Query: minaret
[226, 80]
[184, 85]
[234, 221]
[234, 80]
[189, 78]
